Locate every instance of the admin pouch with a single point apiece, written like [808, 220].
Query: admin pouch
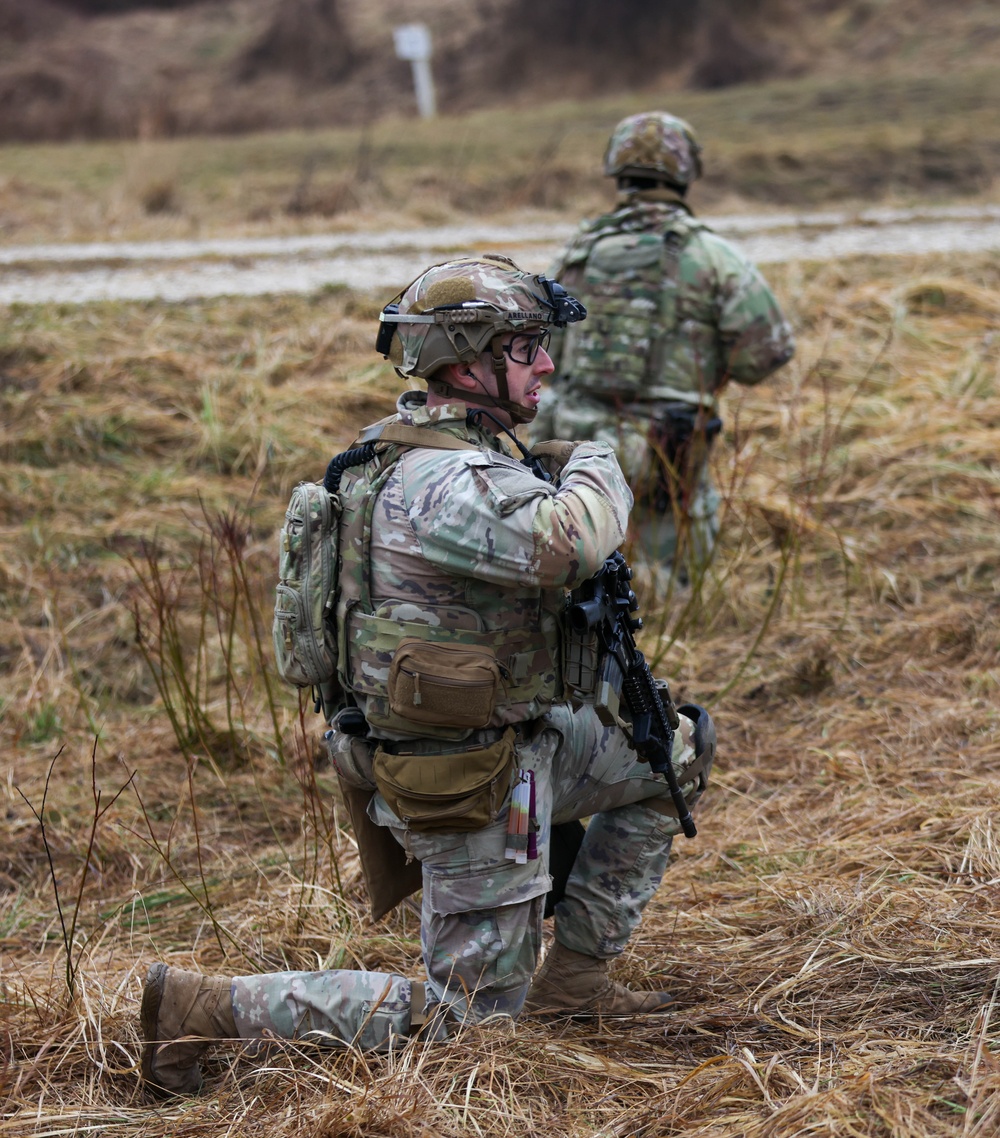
[458, 791]
[443, 685]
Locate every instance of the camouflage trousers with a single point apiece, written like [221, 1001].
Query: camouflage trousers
[682, 539]
[481, 923]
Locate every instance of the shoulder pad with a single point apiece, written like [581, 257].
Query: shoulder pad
[374, 430]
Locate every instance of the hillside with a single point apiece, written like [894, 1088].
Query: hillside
[121, 68]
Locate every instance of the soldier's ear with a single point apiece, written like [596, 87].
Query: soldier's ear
[459, 375]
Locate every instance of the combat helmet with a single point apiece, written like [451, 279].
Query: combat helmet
[654, 145]
[456, 311]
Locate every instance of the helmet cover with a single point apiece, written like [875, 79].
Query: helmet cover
[452, 312]
[654, 144]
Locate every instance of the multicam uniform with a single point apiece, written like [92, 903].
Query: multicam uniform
[675, 312]
[468, 546]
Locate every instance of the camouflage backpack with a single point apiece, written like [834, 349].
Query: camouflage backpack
[629, 285]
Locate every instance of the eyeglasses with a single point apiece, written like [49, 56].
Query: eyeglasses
[522, 348]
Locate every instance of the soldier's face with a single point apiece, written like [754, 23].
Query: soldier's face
[524, 380]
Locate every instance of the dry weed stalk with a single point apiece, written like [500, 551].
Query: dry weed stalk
[68, 908]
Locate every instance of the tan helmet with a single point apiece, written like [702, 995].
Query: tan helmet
[654, 145]
[456, 311]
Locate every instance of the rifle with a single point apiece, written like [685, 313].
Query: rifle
[604, 606]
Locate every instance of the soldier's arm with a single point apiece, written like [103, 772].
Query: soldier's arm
[499, 523]
[754, 337]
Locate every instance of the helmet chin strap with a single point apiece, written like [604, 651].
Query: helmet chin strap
[519, 414]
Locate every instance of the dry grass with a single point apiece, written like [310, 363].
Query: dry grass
[832, 932]
[795, 142]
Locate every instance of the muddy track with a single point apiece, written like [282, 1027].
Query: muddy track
[182, 270]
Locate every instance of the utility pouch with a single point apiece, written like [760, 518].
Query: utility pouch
[350, 753]
[461, 791]
[443, 685]
[305, 646]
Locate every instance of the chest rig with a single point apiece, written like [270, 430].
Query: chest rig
[512, 631]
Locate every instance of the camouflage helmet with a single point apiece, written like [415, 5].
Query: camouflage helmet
[456, 311]
[654, 145]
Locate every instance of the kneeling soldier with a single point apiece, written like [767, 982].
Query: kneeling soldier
[457, 737]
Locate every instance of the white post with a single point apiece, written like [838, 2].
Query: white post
[413, 42]
[423, 83]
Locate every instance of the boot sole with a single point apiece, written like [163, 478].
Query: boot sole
[149, 1014]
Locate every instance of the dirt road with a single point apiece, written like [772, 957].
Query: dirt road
[181, 270]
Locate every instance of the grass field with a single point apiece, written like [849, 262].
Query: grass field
[798, 142]
[831, 933]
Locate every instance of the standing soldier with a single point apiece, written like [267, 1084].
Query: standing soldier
[458, 735]
[675, 313]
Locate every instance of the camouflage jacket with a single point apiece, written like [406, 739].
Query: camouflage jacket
[674, 310]
[468, 547]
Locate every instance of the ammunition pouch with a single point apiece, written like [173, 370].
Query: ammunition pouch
[440, 684]
[581, 661]
[459, 789]
[680, 438]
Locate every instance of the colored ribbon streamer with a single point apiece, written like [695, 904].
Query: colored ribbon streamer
[521, 827]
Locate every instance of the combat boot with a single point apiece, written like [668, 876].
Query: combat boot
[182, 1013]
[572, 984]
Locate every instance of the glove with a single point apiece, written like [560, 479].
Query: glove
[554, 454]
